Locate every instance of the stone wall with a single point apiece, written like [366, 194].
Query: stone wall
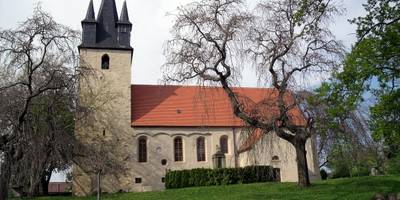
[160, 146]
[106, 96]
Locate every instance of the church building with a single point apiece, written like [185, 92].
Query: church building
[155, 128]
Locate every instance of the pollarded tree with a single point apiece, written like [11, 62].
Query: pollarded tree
[214, 40]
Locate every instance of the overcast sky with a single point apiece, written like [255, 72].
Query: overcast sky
[151, 27]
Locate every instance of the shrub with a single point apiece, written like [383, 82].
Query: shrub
[341, 172]
[360, 171]
[394, 165]
[225, 176]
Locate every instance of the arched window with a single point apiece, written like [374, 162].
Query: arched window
[223, 144]
[201, 149]
[178, 149]
[142, 149]
[105, 62]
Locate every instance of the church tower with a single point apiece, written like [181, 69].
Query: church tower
[105, 90]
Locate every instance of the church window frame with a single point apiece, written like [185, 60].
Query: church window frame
[142, 149]
[201, 149]
[178, 149]
[105, 62]
[223, 144]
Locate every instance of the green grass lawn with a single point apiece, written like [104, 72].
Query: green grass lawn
[347, 188]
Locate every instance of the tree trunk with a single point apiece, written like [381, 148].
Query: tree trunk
[45, 187]
[5, 173]
[35, 178]
[45, 181]
[98, 185]
[34, 186]
[302, 167]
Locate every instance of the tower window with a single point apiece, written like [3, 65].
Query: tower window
[142, 151]
[223, 143]
[178, 149]
[201, 149]
[105, 62]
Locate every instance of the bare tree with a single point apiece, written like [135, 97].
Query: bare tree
[214, 40]
[37, 58]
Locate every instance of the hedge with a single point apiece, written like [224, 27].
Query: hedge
[224, 176]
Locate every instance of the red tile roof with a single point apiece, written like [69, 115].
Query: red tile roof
[194, 106]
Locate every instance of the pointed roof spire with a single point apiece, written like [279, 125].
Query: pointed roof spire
[90, 12]
[124, 13]
[106, 20]
[106, 31]
[107, 12]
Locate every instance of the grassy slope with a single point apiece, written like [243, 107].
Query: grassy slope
[349, 188]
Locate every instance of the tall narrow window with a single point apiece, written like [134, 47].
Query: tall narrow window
[201, 149]
[223, 144]
[178, 149]
[105, 62]
[142, 151]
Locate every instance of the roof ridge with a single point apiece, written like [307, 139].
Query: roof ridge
[199, 86]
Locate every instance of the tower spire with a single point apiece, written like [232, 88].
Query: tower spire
[106, 31]
[108, 12]
[90, 12]
[124, 28]
[106, 21]
[124, 13]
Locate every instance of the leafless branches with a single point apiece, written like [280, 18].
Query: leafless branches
[281, 39]
[203, 36]
[38, 60]
[39, 56]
